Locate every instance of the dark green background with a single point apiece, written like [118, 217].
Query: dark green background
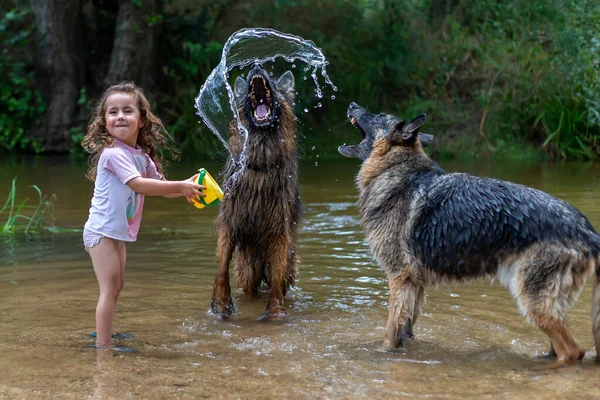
[498, 79]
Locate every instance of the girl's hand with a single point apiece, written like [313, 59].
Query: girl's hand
[192, 178]
[190, 189]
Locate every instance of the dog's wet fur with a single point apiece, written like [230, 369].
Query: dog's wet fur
[260, 213]
[425, 225]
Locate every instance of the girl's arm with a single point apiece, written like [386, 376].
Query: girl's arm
[170, 196]
[191, 179]
[154, 187]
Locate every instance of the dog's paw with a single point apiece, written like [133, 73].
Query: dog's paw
[275, 310]
[223, 309]
[274, 314]
[392, 344]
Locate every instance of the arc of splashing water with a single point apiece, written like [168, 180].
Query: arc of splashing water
[266, 45]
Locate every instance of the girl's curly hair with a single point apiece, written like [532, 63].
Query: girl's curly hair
[152, 136]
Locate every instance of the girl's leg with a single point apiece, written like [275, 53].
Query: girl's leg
[106, 259]
[122, 261]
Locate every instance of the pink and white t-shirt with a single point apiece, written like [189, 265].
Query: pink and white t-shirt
[116, 210]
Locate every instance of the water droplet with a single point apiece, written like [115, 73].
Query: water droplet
[314, 147]
[215, 102]
[316, 164]
[319, 105]
[333, 97]
[306, 110]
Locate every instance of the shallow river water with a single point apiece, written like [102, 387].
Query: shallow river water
[471, 342]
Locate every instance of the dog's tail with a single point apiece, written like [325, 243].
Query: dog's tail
[596, 304]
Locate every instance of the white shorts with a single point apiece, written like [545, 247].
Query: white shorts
[91, 239]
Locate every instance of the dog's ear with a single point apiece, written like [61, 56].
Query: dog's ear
[407, 132]
[240, 88]
[286, 82]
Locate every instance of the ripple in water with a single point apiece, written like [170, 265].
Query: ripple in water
[215, 103]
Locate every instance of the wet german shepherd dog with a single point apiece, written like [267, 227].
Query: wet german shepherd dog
[424, 225]
[259, 216]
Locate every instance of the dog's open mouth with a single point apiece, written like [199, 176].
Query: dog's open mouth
[261, 99]
[355, 150]
[357, 125]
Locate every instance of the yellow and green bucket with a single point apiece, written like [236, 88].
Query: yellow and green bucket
[213, 192]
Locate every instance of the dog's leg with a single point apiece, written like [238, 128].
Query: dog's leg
[567, 349]
[277, 265]
[247, 274]
[403, 298]
[221, 302]
[291, 268]
[407, 332]
[408, 328]
[596, 314]
[547, 280]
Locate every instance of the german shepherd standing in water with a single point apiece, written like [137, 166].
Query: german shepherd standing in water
[424, 225]
[259, 216]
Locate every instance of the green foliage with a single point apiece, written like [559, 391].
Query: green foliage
[196, 60]
[154, 19]
[497, 78]
[533, 69]
[21, 105]
[191, 56]
[16, 218]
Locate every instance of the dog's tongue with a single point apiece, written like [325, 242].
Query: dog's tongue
[261, 111]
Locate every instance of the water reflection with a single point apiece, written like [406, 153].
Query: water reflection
[471, 341]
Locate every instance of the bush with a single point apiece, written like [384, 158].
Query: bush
[21, 105]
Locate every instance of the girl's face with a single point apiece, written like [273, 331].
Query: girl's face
[123, 118]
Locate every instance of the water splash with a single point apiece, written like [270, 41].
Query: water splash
[215, 103]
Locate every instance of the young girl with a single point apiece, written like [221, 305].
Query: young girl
[122, 137]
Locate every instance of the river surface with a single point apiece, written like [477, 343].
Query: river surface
[471, 342]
